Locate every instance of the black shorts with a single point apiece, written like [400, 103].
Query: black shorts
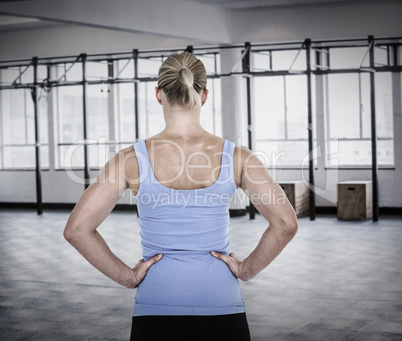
[233, 327]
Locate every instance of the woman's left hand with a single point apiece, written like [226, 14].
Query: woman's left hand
[234, 263]
[141, 268]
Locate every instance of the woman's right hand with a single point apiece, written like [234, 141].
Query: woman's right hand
[141, 268]
[234, 264]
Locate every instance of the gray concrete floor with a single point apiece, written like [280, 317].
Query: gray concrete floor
[335, 281]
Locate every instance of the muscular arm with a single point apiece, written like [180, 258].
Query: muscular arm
[270, 200]
[93, 207]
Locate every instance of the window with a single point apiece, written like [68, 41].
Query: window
[70, 117]
[349, 119]
[211, 117]
[125, 117]
[18, 123]
[349, 58]
[281, 119]
[70, 127]
[150, 114]
[98, 125]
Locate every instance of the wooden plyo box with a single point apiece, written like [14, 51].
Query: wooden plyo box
[355, 200]
[298, 195]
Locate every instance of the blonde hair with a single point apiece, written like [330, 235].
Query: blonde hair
[182, 77]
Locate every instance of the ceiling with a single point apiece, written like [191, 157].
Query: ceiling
[12, 23]
[243, 4]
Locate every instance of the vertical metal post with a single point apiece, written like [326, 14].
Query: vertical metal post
[307, 44]
[38, 170]
[374, 165]
[246, 69]
[87, 175]
[135, 58]
[395, 55]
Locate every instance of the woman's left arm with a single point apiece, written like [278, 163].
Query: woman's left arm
[96, 203]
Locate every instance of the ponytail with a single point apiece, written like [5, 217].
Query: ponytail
[182, 77]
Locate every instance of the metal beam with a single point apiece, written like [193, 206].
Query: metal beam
[136, 121]
[246, 69]
[87, 175]
[307, 44]
[374, 165]
[38, 170]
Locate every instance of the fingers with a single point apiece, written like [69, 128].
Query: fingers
[153, 260]
[231, 261]
[221, 256]
[233, 256]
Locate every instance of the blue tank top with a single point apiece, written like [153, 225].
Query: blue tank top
[185, 225]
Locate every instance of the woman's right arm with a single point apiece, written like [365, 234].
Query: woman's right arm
[270, 200]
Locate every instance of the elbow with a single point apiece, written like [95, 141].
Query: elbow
[69, 233]
[289, 226]
[292, 226]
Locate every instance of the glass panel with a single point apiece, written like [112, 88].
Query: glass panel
[8, 76]
[73, 74]
[98, 155]
[27, 77]
[150, 115]
[71, 156]
[348, 58]
[125, 68]
[261, 61]
[24, 157]
[284, 153]
[358, 153]
[43, 114]
[269, 107]
[296, 105]
[209, 63]
[211, 112]
[282, 60]
[96, 70]
[97, 112]
[18, 127]
[70, 114]
[344, 105]
[19, 157]
[380, 56]
[149, 67]
[218, 63]
[126, 115]
[42, 72]
[383, 101]
[13, 109]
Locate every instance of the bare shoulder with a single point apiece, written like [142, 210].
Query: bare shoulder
[245, 160]
[128, 165]
[241, 153]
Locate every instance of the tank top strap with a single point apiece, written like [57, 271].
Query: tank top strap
[228, 164]
[144, 164]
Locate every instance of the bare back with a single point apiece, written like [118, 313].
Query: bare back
[190, 163]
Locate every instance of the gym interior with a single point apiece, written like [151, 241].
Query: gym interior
[313, 87]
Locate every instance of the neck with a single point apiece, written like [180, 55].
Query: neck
[182, 122]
